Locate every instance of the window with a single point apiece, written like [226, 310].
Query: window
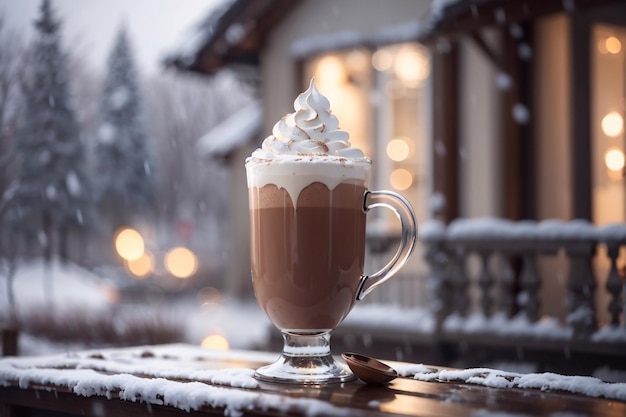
[382, 98]
[609, 140]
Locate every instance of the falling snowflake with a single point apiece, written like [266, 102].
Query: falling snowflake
[73, 184]
[119, 97]
[504, 82]
[520, 113]
[106, 134]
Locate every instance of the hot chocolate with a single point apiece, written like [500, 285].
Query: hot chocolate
[307, 260]
[308, 200]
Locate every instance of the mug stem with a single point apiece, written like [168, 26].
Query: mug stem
[408, 237]
[306, 359]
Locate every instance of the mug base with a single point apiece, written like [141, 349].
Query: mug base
[309, 370]
[306, 359]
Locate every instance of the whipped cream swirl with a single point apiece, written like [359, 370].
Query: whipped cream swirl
[312, 130]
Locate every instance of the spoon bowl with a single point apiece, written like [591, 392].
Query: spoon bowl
[369, 370]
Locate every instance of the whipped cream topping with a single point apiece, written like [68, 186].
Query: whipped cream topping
[311, 130]
[307, 146]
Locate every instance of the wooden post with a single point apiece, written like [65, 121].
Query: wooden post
[8, 340]
[446, 128]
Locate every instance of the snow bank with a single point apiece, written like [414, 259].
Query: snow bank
[499, 324]
[73, 287]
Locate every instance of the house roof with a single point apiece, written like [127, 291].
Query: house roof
[235, 32]
[232, 33]
[233, 133]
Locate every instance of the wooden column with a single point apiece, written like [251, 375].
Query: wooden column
[580, 50]
[446, 128]
[518, 141]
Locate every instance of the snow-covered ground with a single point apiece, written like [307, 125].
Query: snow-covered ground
[241, 323]
[77, 290]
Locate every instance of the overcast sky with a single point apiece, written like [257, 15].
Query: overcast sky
[154, 26]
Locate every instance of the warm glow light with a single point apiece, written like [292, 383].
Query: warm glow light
[401, 179]
[141, 267]
[612, 45]
[411, 66]
[382, 60]
[357, 60]
[612, 124]
[330, 71]
[209, 296]
[614, 159]
[181, 262]
[215, 341]
[398, 149]
[129, 244]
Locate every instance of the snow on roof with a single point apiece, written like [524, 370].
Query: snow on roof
[232, 133]
[191, 42]
[410, 30]
[205, 33]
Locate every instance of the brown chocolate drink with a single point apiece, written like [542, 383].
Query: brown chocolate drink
[307, 261]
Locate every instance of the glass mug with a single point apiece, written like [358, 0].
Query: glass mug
[307, 260]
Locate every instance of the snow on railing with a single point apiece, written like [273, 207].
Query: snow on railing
[523, 242]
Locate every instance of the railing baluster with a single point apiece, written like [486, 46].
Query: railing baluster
[581, 285]
[460, 282]
[485, 283]
[506, 297]
[440, 286]
[528, 298]
[614, 285]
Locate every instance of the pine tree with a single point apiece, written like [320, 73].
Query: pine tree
[51, 193]
[124, 172]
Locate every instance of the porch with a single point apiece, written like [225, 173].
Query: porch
[548, 295]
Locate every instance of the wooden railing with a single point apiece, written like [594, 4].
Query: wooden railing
[512, 289]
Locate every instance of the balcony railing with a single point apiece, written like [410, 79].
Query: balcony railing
[544, 291]
[511, 290]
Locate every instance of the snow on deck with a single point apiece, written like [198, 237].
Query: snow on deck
[149, 374]
[189, 378]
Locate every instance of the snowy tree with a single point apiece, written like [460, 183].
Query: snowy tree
[124, 172]
[50, 197]
[12, 65]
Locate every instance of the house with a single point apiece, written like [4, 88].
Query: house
[471, 109]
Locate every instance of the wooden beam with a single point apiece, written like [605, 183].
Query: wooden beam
[487, 50]
[446, 131]
[580, 66]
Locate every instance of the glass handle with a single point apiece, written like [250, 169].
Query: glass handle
[403, 210]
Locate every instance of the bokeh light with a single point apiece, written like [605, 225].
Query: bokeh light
[215, 341]
[411, 66]
[401, 179]
[612, 124]
[612, 45]
[330, 72]
[614, 159]
[382, 60]
[141, 267]
[129, 244]
[398, 149]
[181, 262]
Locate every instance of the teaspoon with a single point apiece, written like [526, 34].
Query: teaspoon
[369, 370]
